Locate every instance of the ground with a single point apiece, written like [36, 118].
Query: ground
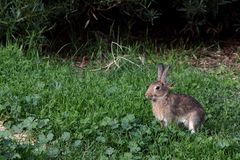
[99, 112]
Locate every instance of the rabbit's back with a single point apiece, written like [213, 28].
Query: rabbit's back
[186, 109]
[181, 105]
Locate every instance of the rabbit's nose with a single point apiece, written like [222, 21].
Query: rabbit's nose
[147, 95]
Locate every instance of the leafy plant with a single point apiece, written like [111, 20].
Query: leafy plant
[71, 27]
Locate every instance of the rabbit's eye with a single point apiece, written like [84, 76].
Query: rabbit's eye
[157, 87]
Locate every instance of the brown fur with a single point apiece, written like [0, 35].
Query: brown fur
[168, 107]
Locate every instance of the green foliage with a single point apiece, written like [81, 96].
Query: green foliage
[72, 114]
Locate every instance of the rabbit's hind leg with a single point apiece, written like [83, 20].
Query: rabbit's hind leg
[163, 123]
[191, 127]
[194, 121]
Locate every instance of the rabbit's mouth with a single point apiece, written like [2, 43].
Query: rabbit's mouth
[152, 98]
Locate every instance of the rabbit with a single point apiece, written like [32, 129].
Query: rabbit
[170, 107]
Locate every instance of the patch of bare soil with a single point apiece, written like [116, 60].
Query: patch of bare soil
[228, 55]
[81, 62]
[22, 138]
[2, 128]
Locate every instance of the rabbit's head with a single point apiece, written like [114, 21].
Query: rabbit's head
[160, 88]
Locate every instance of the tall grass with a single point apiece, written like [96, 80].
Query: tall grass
[53, 24]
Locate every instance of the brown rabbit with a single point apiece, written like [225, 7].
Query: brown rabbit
[168, 107]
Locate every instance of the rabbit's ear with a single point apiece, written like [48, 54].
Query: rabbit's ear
[164, 76]
[160, 71]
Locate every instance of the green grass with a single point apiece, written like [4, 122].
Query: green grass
[74, 114]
